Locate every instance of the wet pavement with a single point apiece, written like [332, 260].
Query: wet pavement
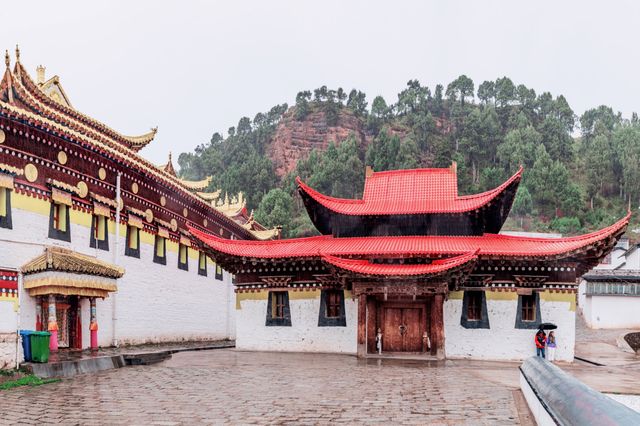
[232, 387]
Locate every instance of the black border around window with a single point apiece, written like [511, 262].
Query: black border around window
[128, 251]
[483, 322]
[278, 322]
[56, 234]
[202, 271]
[102, 244]
[528, 325]
[323, 320]
[218, 274]
[5, 221]
[162, 260]
[183, 266]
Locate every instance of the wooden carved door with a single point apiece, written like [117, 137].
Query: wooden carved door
[391, 335]
[403, 327]
[412, 338]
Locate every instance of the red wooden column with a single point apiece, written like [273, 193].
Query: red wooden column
[437, 326]
[362, 325]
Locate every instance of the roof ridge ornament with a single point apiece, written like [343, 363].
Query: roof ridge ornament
[7, 59]
[17, 53]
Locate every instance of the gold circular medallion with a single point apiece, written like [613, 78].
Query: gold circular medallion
[134, 188]
[121, 205]
[31, 172]
[149, 215]
[83, 189]
[205, 222]
[174, 225]
[2, 136]
[62, 157]
[185, 212]
[102, 173]
[163, 201]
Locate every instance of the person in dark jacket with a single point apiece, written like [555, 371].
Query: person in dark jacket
[541, 340]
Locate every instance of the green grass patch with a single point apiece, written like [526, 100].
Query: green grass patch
[30, 380]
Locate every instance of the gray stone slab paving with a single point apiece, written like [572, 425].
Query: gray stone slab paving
[232, 387]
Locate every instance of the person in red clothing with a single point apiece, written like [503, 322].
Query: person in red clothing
[541, 340]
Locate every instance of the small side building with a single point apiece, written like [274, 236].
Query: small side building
[609, 295]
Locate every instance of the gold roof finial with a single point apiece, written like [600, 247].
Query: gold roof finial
[169, 156]
[7, 61]
[17, 53]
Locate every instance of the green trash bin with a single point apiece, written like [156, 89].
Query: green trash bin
[40, 346]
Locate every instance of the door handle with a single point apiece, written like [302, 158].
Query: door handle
[403, 329]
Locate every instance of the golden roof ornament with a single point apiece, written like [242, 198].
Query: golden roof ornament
[7, 61]
[17, 53]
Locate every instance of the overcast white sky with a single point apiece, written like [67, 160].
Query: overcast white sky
[195, 67]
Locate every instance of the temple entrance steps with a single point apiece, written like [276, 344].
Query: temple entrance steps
[408, 356]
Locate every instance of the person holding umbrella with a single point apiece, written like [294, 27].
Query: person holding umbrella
[541, 340]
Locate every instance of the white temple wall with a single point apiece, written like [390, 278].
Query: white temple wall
[502, 341]
[304, 334]
[154, 303]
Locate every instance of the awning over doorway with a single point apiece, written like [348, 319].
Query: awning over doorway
[65, 272]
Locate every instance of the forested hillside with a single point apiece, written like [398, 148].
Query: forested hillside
[580, 172]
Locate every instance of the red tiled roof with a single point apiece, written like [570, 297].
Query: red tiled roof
[364, 267]
[413, 191]
[487, 244]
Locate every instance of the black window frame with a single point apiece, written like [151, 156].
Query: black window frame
[99, 244]
[218, 276]
[324, 320]
[183, 266]
[6, 221]
[483, 321]
[285, 320]
[202, 271]
[55, 233]
[131, 252]
[161, 260]
[528, 325]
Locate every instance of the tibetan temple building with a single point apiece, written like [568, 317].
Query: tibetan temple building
[85, 220]
[414, 265]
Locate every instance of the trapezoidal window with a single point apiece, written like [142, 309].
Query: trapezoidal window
[202, 264]
[59, 228]
[160, 250]
[5, 208]
[474, 310]
[278, 312]
[528, 315]
[133, 242]
[332, 312]
[99, 232]
[183, 257]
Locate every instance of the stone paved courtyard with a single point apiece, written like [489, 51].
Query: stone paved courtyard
[227, 386]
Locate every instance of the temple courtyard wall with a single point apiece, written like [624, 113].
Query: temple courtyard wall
[503, 341]
[304, 334]
[154, 302]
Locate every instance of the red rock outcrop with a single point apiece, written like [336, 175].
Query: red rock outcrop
[294, 140]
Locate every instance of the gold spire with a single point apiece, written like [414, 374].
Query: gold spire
[17, 53]
[7, 61]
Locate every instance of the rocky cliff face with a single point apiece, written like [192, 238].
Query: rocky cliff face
[295, 139]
